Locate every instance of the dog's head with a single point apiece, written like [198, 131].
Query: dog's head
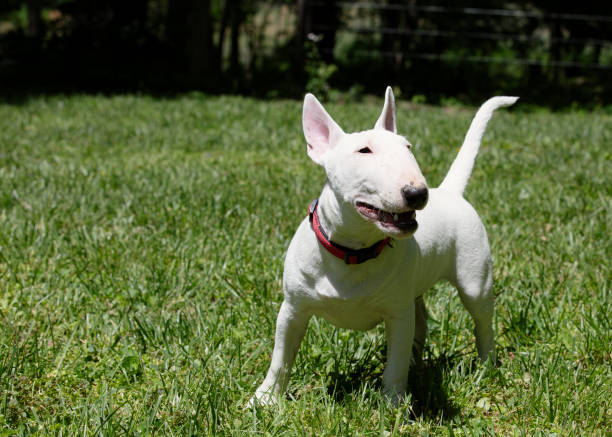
[373, 171]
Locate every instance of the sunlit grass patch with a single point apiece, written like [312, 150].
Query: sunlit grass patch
[141, 251]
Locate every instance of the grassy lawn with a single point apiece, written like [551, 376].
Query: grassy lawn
[141, 251]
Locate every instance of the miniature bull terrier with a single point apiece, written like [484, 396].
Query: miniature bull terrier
[376, 239]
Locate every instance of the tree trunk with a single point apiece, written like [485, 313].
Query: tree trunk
[222, 28]
[33, 18]
[391, 22]
[326, 20]
[236, 19]
[190, 36]
[300, 27]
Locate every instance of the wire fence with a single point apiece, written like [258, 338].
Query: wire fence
[547, 37]
[472, 11]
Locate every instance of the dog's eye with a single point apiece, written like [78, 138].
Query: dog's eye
[365, 150]
[409, 146]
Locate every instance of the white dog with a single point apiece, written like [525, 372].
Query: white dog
[377, 239]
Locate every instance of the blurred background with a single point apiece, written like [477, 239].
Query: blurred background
[555, 53]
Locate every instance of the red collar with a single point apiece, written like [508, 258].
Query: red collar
[348, 255]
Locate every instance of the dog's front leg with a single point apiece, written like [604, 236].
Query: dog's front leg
[400, 336]
[290, 328]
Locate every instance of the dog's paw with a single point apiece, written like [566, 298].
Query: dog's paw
[262, 399]
[395, 397]
[396, 400]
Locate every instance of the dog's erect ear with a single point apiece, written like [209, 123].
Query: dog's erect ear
[321, 131]
[387, 116]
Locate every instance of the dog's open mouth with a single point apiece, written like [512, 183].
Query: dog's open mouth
[404, 221]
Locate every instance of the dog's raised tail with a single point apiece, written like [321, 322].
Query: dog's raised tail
[457, 177]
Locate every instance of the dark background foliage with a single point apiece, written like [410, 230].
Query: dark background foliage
[549, 52]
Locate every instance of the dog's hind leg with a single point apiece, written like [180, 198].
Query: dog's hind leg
[474, 280]
[478, 299]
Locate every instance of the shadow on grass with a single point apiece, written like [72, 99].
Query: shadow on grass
[429, 392]
[425, 383]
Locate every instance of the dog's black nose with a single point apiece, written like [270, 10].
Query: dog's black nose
[415, 197]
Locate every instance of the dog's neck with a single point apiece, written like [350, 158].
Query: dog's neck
[343, 224]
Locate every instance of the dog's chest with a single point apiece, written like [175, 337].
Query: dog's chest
[348, 296]
[359, 304]
[351, 315]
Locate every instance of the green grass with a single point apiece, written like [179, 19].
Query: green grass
[141, 251]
